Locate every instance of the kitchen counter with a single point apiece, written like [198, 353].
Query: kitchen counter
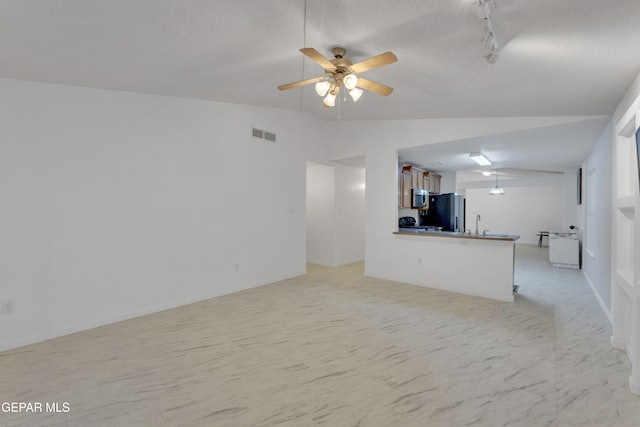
[456, 234]
[467, 263]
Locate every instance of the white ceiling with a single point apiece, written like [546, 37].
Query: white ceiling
[559, 57]
[559, 148]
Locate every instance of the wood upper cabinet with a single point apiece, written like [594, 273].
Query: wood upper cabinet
[411, 176]
[406, 186]
[426, 182]
[405, 180]
[417, 175]
[432, 182]
[399, 186]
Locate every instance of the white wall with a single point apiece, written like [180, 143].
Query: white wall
[350, 213]
[596, 263]
[448, 182]
[321, 219]
[596, 249]
[335, 214]
[522, 210]
[117, 204]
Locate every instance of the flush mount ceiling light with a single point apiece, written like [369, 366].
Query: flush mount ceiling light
[497, 190]
[480, 159]
[341, 72]
[486, 10]
[486, 173]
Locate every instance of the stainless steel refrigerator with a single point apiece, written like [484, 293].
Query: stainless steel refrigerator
[446, 211]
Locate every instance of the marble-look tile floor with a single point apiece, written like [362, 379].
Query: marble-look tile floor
[333, 348]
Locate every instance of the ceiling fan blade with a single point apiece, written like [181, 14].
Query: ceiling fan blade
[372, 86]
[317, 57]
[375, 62]
[301, 83]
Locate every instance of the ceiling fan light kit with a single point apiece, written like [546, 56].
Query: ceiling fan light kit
[342, 72]
[330, 100]
[350, 81]
[356, 93]
[322, 88]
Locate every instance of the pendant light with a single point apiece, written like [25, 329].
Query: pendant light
[496, 191]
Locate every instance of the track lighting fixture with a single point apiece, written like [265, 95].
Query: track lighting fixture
[486, 10]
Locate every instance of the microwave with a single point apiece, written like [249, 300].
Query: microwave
[419, 198]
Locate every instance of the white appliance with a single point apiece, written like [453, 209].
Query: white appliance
[564, 250]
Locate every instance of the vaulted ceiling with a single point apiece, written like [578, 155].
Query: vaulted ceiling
[558, 58]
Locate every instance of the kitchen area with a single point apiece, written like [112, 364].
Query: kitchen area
[433, 224]
[464, 220]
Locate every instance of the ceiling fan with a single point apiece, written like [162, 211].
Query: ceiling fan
[341, 72]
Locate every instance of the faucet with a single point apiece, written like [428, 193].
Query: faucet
[477, 219]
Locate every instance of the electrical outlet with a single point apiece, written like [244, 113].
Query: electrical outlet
[8, 307]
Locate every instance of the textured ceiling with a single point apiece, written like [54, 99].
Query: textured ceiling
[560, 58]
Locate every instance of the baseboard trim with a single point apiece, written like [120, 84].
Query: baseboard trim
[598, 298]
[10, 345]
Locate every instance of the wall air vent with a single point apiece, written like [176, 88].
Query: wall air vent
[270, 136]
[262, 134]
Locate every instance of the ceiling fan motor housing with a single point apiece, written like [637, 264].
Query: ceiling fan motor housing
[342, 66]
[338, 52]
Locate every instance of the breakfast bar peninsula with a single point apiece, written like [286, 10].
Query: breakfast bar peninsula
[468, 263]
